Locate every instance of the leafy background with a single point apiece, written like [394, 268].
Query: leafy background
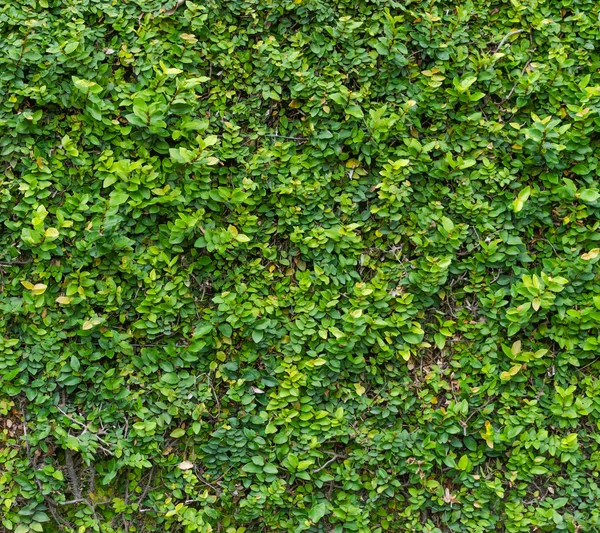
[299, 266]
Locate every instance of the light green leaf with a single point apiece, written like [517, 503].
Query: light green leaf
[317, 512]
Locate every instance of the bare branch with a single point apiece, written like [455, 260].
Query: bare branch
[509, 34]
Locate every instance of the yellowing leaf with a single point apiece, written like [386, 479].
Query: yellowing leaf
[360, 390]
[51, 233]
[65, 300]
[505, 376]
[27, 285]
[185, 465]
[173, 71]
[39, 288]
[516, 348]
[89, 324]
[592, 254]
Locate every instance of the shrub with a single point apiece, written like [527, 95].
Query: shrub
[299, 266]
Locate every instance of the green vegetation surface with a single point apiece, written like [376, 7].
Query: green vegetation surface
[313, 265]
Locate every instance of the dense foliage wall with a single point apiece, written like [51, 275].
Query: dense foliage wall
[284, 266]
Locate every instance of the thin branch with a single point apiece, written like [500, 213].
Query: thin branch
[202, 480]
[216, 396]
[175, 7]
[509, 34]
[85, 427]
[147, 488]
[327, 463]
[516, 83]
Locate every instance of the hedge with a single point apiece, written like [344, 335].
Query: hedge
[286, 266]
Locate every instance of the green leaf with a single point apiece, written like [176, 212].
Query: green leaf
[118, 198]
[170, 378]
[251, 468]
[202, 330]
[86, 86]
[75, 364]
[270, 468]
[71, 47]
[317, 512]
[226, 330]
[519, 202]
[589, 196]
[440, 340]
[413, 338]
[355, 111]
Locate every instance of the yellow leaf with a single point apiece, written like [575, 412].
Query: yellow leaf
[360, 390]
[39, 288]
[592, 254]
[512, 372]
[242, 238]
[516, 348]
[51, 233]
[89, 324]
[233, 230]
[64, 300]
[583, 112]
[27, 285]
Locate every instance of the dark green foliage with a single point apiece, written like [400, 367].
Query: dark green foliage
[277, 266]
